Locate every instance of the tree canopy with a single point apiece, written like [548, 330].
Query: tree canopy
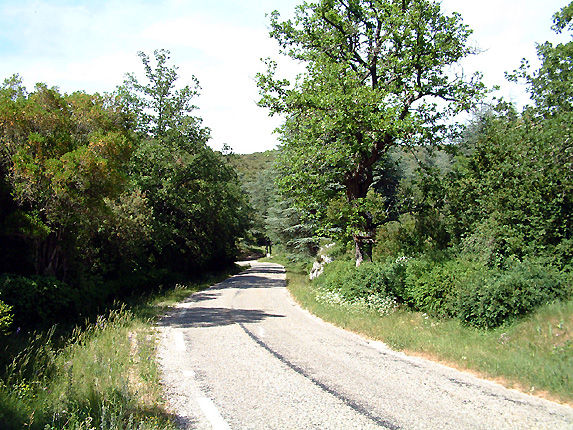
[378, 74]
[103, 195]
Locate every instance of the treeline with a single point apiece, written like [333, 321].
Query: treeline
[484, 235]
[102, 196]
[475, 225]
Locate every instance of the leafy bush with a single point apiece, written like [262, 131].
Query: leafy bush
[5, 317]
[430, 287]
[433, 286]
[38, 300]
[465, 288]
[385, 279]
[388, 240]
[498, 296]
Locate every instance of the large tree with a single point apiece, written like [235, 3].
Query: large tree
[61, 157]
[158, 106]
[379, 73]
[514, 188]
[551, 86]
[197, 205]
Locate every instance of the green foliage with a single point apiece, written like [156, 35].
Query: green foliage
[499, 215]
[367, 279]
[62, 156]
[197, 208]
[249, 166]
[515, 187]
[462, 288]
[5, 317]
[275, 218]
[103, 196]
[429, 287]
[39, 300]
[158, 107]
[105, 377]
[551, 85]
[498, 297]
[374, 72]
[259, 183]
[196, 201]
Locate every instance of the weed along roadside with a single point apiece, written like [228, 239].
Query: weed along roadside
[533, 354]
[103, 375]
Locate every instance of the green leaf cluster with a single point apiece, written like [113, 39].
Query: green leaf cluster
[483, 225]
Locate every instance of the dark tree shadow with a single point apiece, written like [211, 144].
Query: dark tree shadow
[215, 317]
[199, 316]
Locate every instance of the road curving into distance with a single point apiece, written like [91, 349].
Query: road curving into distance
[243, 355]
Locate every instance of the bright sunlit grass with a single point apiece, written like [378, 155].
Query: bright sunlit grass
[105, 377]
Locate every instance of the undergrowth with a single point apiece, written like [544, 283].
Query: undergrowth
[103, 375]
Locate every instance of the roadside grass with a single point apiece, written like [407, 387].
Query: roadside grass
[101, 376]
[534, 355]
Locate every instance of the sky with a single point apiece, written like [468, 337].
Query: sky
[89, 45]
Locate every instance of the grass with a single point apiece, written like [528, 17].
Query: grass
[534, 355]
[102, 376]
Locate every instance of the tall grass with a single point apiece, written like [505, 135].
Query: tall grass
[534, 354]
[103, 376]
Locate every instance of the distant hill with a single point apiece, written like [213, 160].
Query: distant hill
[248, 166]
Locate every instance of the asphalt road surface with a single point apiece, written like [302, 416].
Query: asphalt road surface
[243, 355]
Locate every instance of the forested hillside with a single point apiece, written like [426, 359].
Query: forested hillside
[104, 196]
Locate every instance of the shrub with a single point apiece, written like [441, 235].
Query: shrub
[388, 240]
[498, 296]
[5, 317]
[352, 281]
[430, 287]
[433, 286]
[377, 286]
[38, 300]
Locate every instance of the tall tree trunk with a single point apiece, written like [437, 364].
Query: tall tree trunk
[363, 248]
[50, 259]
[357, 185]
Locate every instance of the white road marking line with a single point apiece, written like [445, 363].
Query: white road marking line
[212, 414]
[189, 373]
[380, 346]
[179, 341]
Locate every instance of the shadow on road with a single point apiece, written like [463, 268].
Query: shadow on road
[247, 280]
[215, 317]
[208, 316]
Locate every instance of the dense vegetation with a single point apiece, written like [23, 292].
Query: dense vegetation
[475, 225]
[106, 196]
[103, 199]
[378, 75]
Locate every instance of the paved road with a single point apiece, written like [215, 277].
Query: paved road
[242, 355]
